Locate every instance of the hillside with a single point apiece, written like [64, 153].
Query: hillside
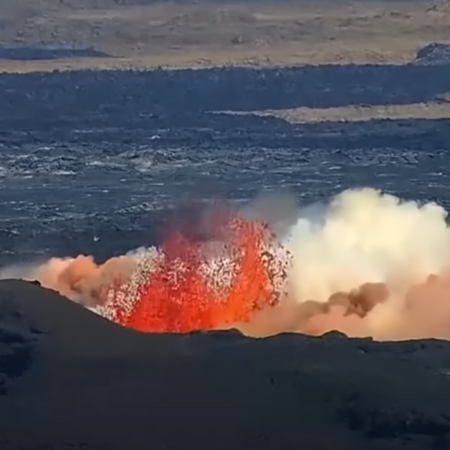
[71, 380]
[149, 33]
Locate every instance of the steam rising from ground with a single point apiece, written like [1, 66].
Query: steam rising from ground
[366, 263]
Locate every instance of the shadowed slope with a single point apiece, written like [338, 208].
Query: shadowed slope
[91, 383]
[66, 327]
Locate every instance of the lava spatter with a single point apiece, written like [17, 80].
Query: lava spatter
[191, 287]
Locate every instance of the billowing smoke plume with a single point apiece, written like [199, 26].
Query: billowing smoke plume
[366, 264]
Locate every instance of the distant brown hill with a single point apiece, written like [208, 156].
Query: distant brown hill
[149, 33]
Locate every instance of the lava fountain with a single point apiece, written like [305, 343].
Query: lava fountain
[191, 285]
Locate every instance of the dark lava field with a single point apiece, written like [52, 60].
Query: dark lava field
[101, 162]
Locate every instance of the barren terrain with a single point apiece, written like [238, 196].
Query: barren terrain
[146, 34]
[71, 380]
[430, 110]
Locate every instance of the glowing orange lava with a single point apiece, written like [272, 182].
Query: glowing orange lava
[188, 291]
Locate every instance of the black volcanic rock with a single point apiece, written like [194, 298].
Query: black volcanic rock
[45, 53]
[433, 54]
[93, 385]
[17, 338]
[188, 98]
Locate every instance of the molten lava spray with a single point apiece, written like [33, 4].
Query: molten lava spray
[366, 264]
[191, 290]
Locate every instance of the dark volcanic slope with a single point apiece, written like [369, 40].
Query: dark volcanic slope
[78, 381]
